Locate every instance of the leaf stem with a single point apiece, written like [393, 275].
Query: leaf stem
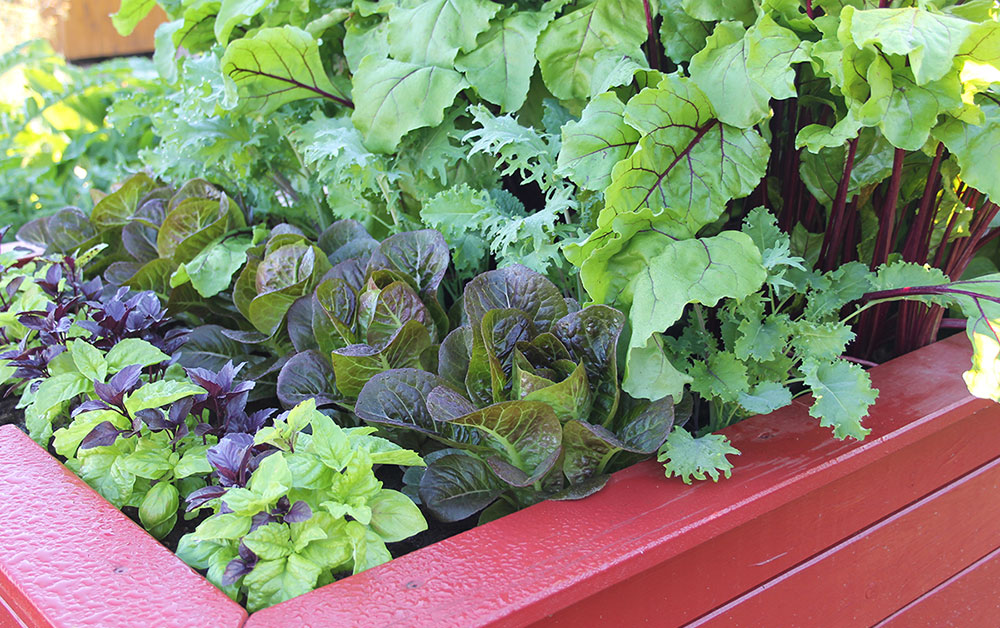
[835, 226]
[652, 42]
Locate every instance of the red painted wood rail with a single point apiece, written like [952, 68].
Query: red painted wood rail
[903, 528]
[69, 559]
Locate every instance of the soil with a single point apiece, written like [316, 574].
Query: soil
[9, 415]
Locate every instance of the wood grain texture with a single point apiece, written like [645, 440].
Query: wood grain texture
[84, 31]
[969, 598]
[879, 570]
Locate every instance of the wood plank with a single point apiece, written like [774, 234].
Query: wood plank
[7, 617]
[969, 598]
[646, 549]
[86, 32]
[863, 579]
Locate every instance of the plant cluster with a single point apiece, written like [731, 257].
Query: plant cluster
[57, 146]
[525, 401]
[525, 240]
[99, 384]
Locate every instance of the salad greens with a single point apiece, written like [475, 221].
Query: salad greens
[511, 246]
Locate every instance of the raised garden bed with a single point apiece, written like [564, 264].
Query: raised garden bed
[902, 528]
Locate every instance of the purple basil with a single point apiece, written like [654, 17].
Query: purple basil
[103, 435]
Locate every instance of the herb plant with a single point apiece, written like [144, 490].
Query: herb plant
[307, 508]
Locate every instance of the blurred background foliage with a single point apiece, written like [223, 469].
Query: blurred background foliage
[57, 147]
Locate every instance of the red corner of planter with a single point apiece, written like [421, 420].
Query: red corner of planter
[68, 558]
[646, 549]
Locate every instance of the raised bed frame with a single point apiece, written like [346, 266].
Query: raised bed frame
[900, 530]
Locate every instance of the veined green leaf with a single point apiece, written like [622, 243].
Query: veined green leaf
[689, 165]
[276, 66]
[394, 98]
[741, 70]
[129, 14]
[930, 40]
[500, 66]
[687, 457]
[432, 32]
[685, 271]
[592, 146]
[568, 47]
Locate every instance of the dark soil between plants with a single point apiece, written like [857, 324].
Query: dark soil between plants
[9, 415]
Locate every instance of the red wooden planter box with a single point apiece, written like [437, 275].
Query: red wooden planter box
[901, 530]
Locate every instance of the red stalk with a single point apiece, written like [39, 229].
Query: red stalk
[918, 239]
[835, 226]
[652, 42]
[887, 217]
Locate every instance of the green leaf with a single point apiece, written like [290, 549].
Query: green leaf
[129, 14]
[275, 66]
[847, 283]
[592, 146]
[395, 517]
[383, 451]
[569, 399]
[983, 329]
[150, 460]
[329, 442]
[687, 457]
[723, 376]
[158, 511]
[454, 212]
[910, 111]
[741, 70]
[160, 393]
[89, 360]
[274, 581]
[55, 390]
[354, 365]
[524, 433]
[116, 208]
[689, 165]
[232, 13]
[568, 48]
[193, 462]
[681, 35]
[822, 341]
[762, 339]
[393, 98]
[700, 270]
[222, 526]
[133, 351]
[766, 397]
[974, 146]
[501, 65]
[211, 271]
[930, 40]
[842, 393]
[272, 479]
[190, 226]
[712, 10]
[66, 440]
[587, 449]
[432, 32]
[270, 541]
